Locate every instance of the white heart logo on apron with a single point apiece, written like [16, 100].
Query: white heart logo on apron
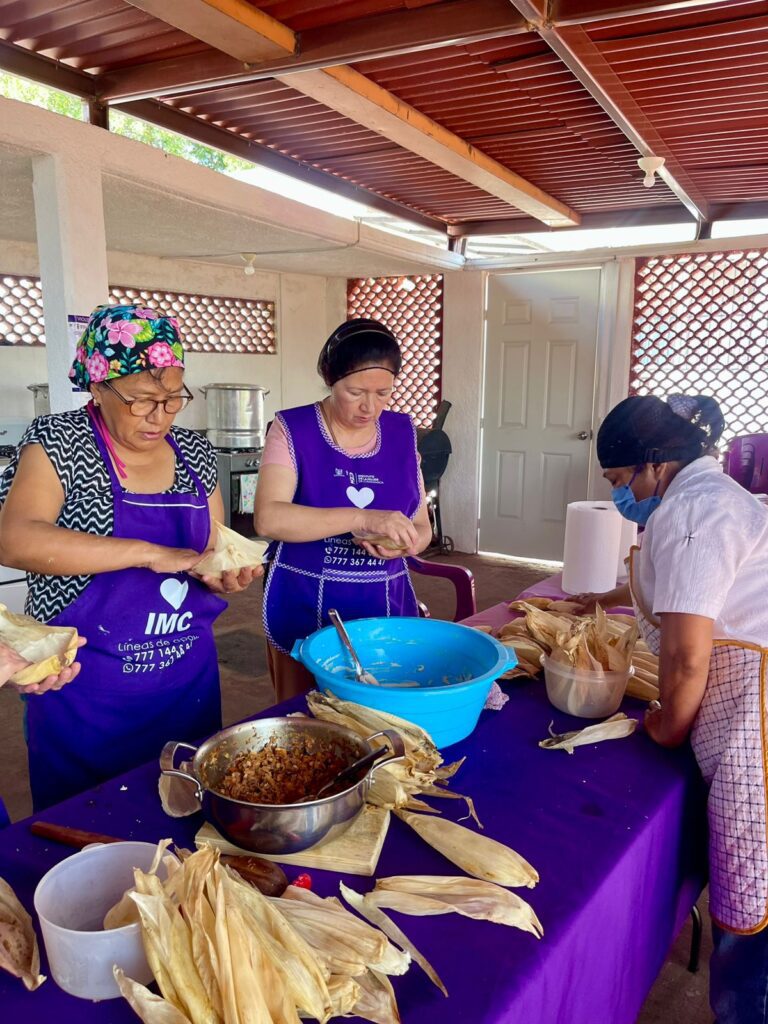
[361, 498]
[174, 592]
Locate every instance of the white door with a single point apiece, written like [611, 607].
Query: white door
[539, 389]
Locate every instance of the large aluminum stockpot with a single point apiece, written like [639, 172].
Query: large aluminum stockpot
[277, 828]
[235, 415]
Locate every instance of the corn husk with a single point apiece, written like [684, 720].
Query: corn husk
[231, 552]
[303, 976]
[395, 785]
[19, 954]
[150, 1008]
[345, 993]
[377, 917]
[344, 943]
[424, 895]
[376, 999]
[478, 855]
[223, 953]
[48, 649]
[607, 642]
[614, 728]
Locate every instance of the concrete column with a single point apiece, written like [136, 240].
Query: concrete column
[302, 318]
[463, 339]
[72, 247]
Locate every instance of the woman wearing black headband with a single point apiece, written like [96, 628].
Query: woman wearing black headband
[340, 493]
[698, 585]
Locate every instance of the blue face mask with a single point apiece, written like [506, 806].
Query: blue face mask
[636, 511]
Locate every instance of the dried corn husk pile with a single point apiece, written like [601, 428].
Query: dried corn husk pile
[398, 785]
[222, 953]
[585, 641]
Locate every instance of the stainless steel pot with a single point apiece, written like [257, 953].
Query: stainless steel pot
[235, 415]
[277, 828]
[40, 398]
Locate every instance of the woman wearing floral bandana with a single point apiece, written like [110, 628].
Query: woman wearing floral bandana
[109, 509]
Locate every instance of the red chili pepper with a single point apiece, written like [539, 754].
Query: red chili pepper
[303, 881]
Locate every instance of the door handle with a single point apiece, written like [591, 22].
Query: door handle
[584, 435]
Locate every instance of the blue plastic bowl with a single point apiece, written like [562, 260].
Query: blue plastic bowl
[449, 668]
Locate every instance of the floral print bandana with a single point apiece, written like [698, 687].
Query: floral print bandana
[120, 340]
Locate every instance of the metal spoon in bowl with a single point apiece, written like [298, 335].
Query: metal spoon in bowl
[347, 773]
[360, 674]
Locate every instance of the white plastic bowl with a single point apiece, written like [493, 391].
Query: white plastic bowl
[584, 693]
[71, 901]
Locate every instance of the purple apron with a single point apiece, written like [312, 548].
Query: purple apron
[305, 580]
[149, 671]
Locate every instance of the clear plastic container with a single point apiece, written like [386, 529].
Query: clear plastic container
[581, 692]
[71, 901]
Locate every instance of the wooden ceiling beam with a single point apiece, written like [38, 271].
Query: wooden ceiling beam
[393, 34]
[573, 46]
[221, 24]
[345, 90]
[638, 217]
[626, 218]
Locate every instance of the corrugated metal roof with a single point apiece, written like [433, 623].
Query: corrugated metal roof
[700, 75]
[702, 79]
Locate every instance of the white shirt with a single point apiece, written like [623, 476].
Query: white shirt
[705, 552]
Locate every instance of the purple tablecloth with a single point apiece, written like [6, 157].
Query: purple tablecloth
[615, 831]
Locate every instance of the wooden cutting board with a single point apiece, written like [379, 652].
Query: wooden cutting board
[354, 852]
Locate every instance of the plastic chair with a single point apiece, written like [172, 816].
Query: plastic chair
[746, 461]
[461, 578]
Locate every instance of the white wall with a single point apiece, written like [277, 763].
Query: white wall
[464, 322]
[307, 307]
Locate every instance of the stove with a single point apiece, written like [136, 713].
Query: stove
[232, 464]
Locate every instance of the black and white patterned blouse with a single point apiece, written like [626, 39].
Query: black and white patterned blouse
[68, 441]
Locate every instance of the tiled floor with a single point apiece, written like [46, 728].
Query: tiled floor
[678, 997]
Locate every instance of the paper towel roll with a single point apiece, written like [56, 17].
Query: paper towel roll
[591, 551]
[627, 541]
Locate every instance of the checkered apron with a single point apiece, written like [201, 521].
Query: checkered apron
[730, 741]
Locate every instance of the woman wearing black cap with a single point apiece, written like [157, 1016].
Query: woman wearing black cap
[698, 584]
[341, 494]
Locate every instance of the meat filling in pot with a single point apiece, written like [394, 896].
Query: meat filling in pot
[285, 775]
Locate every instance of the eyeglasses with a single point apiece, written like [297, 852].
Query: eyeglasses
[146, 406]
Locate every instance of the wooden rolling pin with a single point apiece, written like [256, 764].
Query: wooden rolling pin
[268, 877]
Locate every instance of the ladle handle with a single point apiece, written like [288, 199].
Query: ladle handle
[335, 618]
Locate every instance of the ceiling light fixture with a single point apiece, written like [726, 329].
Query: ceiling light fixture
[650, 165]
[405, 284]
[248, 257]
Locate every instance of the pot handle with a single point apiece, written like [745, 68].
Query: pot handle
[167, 760]
[395, 742]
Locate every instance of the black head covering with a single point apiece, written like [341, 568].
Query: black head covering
[644, 428]
[360, 343]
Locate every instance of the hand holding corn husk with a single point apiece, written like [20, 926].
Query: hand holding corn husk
[231, 552]
[47, 649]
[614, 728]
[19, 954]
[423, 895]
